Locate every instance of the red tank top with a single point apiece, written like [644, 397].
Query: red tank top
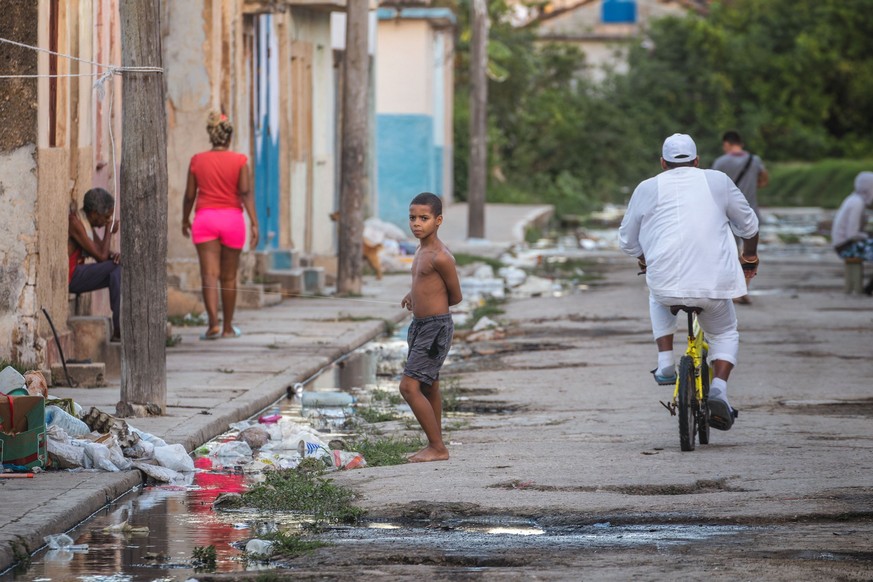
[74, 262]
[217, 174]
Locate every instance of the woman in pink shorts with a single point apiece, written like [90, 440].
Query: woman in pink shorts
[220, 183]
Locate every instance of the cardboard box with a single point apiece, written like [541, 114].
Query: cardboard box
[22, 431]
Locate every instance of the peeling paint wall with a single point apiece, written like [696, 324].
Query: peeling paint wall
[19, 340]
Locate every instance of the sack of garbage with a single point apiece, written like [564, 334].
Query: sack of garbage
[62, 452]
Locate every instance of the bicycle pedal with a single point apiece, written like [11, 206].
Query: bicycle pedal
[671, 407]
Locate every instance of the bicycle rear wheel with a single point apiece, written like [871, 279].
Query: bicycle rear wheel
[703, 409]
[687, 401]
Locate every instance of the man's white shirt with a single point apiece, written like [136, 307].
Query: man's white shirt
[684, 221]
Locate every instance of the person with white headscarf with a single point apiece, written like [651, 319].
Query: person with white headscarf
[848, 236]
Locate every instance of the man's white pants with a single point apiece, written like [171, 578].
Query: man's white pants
[718, 320]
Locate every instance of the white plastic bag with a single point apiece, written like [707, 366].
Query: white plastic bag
[174, 457]
[231, 449]
[97, 456]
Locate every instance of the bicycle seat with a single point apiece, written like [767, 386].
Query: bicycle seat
[674, 309]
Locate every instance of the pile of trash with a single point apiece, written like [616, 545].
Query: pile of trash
[395, 249]
[271, 443]
[79, 440]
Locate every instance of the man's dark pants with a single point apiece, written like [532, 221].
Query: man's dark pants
[94, 276]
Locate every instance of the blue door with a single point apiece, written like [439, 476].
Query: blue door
[266, 105]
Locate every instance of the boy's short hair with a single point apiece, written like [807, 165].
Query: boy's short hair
[98, 200]
[732, 137]
[431, 200]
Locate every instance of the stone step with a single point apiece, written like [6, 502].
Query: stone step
[90, 341]
[91, 375]
[313, 280]
[291, 280]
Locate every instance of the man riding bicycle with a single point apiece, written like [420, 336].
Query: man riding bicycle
[680, 226]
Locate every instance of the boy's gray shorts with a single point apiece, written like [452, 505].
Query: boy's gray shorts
[429, 340]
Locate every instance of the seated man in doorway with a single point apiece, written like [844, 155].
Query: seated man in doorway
[98, 208]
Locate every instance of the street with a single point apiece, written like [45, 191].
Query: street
[585, 441]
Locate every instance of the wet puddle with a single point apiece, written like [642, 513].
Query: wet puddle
[153, 532]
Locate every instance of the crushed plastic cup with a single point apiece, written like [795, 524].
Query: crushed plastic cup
[64, 542]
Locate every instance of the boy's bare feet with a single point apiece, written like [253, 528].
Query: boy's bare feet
[428, 454]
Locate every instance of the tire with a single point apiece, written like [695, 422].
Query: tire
[703, 409]
[687, 405]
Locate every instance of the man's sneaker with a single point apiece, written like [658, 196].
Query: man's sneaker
[721, 415]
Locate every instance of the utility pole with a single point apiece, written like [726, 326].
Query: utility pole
[143, 191]
[478, 171]
[354, 184]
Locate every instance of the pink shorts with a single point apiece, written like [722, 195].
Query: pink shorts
[226, 225]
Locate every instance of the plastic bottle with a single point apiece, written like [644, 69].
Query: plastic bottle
[55, 416]
[328, 399]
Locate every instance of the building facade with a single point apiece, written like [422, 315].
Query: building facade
[414, 99]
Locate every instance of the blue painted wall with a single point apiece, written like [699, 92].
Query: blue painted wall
[406, 163]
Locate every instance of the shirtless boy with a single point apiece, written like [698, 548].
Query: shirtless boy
[435, 287]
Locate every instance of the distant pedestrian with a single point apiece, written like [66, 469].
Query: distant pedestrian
[435, 287]
[679, 225]
[748, 173]
[220, 183]
[98, 208]
[848, 236]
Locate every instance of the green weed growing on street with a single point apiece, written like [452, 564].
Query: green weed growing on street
[303, 492]
[188, 320]
[450, 389]
[203, 558]
[374, 414]
[289, 545]
[464, 259]
[382, 452]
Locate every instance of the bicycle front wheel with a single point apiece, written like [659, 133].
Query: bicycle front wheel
[703, 409]
[687, 401]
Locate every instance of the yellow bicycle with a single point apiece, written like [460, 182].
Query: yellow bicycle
[692, 385]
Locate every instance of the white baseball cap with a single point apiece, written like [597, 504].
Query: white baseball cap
[679, 148]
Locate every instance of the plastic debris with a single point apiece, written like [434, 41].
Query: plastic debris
[64, 542]
[175, 457]
[259, 547]
[327, 399]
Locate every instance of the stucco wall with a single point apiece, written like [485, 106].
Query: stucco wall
[18, 257]
[19, 339]
[404, 78]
